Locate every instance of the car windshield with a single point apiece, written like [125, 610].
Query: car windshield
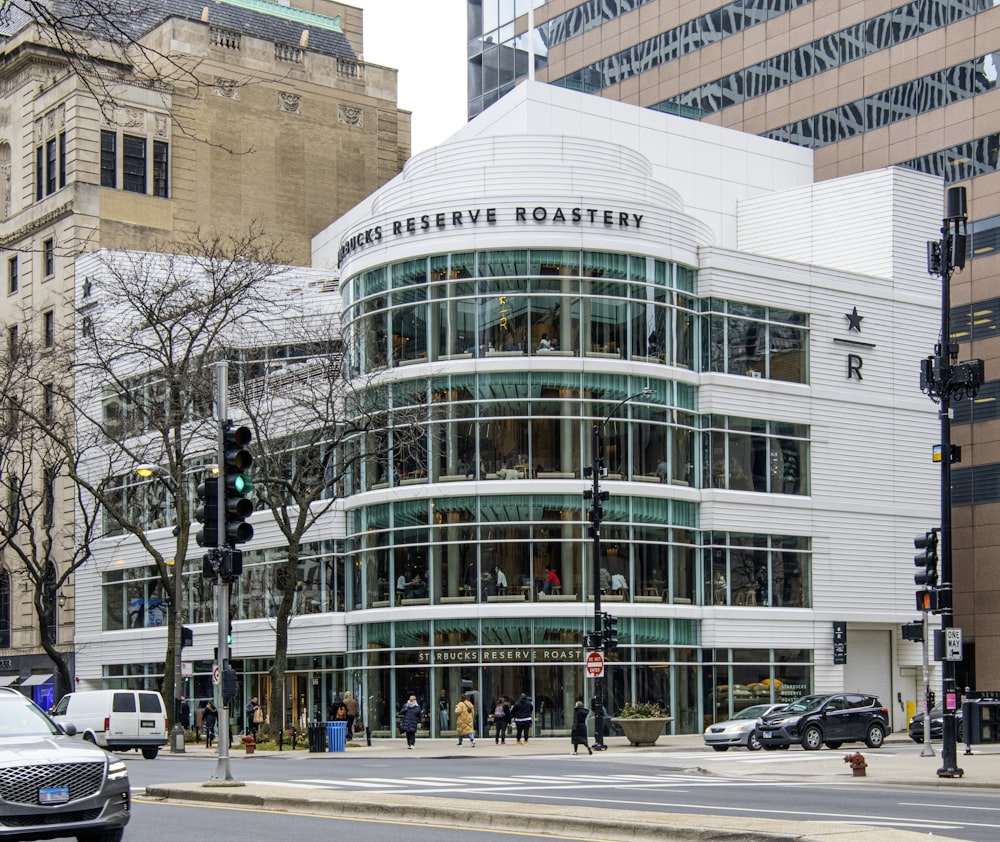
[20, 718]
[806, 703]
[754, 712]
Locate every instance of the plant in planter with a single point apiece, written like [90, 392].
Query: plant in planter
[642, 722]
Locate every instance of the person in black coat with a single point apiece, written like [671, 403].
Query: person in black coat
[521, 713]
[578, 734]
[209, 718]
[410, 716]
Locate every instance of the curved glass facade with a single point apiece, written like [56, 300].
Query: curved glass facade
[490, 369]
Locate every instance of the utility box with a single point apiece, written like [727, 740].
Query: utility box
[981, 718]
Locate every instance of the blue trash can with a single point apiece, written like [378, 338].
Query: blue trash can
[336, 736]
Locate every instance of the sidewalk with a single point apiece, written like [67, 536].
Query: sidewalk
[898, 762]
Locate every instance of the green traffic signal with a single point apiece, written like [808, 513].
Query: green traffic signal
[236, 461]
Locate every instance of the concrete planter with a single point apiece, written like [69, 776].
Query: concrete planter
[642, 731]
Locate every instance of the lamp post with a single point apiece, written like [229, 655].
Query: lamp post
[146, 470]
[944, 379]
[596, 515]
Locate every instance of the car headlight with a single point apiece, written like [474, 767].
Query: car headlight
[744, 726]
[117, 770]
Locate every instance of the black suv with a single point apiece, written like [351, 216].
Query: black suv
[832, 719]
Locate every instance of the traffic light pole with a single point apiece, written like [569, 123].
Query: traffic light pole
[223, 775]
[600, 683]
[926, 750]
[595, 528]
[944, 379]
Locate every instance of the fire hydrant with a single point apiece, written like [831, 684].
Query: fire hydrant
[857, 763]
[249, 743]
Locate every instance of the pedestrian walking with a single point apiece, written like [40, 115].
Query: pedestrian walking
[351, 706]
[578, 734]
[255, 717]
[410, 716]
[465, 724]
[501, 715]
[521, 712]
[209, 718]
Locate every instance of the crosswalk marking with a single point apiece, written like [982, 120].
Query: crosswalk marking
[620, 782]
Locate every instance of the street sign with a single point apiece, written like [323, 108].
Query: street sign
[215, 675]
[595, 665]
[953, 644]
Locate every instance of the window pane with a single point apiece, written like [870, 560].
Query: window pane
[109, 157]
[134, 164]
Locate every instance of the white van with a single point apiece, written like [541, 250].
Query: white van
[116, 719]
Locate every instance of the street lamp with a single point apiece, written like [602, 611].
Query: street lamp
[596, 515]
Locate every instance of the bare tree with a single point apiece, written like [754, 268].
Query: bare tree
[35, 468]
[303, 409]
[150, 325]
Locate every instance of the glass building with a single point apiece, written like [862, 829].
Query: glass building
[679, 286]
[865, 87]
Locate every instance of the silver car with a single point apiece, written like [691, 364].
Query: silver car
[53, 786]
[741, 730]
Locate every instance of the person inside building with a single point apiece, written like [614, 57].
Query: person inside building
[551, 581]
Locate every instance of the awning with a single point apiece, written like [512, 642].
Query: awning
[7, 680]
[32, 680]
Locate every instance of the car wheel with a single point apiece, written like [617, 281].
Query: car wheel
[753, 742]
[111, 834]
[150, 753]
[834, 745]
[875, 737]
[90, 738]
[812, 738]
[917, 738]
[721, 748]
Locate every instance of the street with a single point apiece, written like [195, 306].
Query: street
[780, 785]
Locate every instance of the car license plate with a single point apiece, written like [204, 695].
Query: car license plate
[53, 795]
[147, 723]
[767, 735]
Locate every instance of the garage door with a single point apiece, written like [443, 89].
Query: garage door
[869, 666]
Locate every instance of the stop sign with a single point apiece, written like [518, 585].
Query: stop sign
[595, 665]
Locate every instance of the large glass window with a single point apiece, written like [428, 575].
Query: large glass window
[517, 302]
[757, 570]
[745, 454]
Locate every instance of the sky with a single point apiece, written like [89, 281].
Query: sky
[426, 42]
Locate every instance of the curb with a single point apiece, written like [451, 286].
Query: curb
[581, 822]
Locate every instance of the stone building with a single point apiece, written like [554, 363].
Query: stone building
[217, 118]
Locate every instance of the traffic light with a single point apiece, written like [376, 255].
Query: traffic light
[207, 513]
[231, 564]
[238, 507]
[927, 578]
[610, 632]
[229, 633]
[187, 636]
[229, 688]
[914, 631]
[927, 559]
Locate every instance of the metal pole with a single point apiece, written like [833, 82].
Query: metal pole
[599, 685]
[947, 357]
[223, 774]
[927, 750]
